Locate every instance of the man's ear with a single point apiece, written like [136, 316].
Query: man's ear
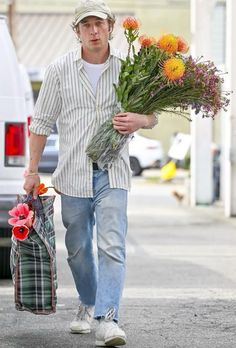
[77, 33]
[76, 30]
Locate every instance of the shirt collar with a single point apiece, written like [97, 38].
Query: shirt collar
[78, 55]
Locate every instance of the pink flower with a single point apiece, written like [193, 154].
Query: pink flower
[22, 215]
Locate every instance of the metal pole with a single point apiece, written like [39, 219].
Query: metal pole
[11, 18]
[201, 129]
[230, 138]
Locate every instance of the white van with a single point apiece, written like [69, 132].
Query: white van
[13, 139]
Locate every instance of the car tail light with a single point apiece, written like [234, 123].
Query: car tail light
[15, 144]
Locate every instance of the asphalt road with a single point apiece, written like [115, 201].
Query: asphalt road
[180, 287]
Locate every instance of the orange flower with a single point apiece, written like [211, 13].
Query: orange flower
[131, 23]
[41, 189]
[173, 68]
[168, 43]
[146, 41]
[182, 45]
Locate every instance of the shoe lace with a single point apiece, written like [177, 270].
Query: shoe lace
[83, 313]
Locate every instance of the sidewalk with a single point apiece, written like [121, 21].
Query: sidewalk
[188, 255]
[180, 289]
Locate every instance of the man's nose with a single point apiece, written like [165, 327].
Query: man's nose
[94, 30]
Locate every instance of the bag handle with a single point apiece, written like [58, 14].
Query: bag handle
[36, 204]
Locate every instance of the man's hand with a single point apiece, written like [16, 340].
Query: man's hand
[31, 184]
[129, 122]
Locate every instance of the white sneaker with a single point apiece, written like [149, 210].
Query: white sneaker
[82, 322]
[109, 334]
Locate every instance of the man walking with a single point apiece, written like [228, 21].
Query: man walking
[78, 94]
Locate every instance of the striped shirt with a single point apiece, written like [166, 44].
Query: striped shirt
[66, 97]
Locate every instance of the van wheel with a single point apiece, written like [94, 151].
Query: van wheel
[5, 272]
[135, 166]
[5, 250]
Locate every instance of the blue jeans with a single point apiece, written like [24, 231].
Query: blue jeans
[97, 286]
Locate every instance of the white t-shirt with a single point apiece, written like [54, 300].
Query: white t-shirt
[94, 72]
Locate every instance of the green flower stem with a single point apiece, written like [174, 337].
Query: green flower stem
[106, 145]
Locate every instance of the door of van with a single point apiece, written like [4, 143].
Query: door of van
[13, 139]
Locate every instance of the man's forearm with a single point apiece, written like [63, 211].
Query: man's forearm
[37, 143]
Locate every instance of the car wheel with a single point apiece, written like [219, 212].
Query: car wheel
[158, 164]
[5, 250]
[135, 166]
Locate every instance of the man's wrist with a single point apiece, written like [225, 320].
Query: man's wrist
[32, 168]
[30, 172]
[151, 121]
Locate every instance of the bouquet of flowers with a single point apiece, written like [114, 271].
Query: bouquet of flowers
[158, 78]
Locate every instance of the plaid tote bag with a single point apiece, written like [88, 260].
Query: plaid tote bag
[33, 260]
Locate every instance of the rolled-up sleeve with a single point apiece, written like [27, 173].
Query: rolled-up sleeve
[48, 105]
